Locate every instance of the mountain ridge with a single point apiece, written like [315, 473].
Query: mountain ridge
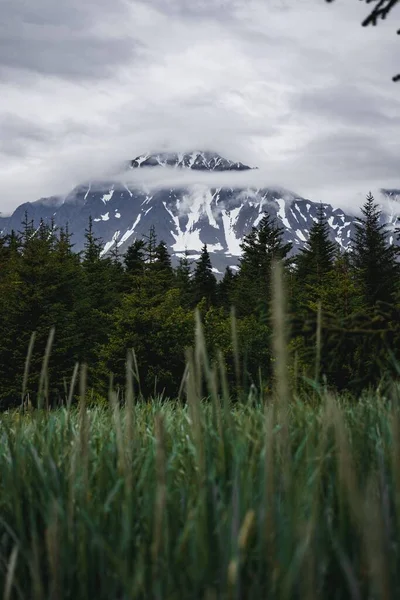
[187, 216]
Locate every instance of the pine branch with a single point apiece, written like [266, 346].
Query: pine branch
[380, 11]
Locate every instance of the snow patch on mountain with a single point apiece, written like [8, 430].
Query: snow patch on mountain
[107, 197]
[104, 217]
[130, 231]
[187, 239]
[128, 190]
[281, 212]
[229, 219]
[215, 247]
[301, 235]
[110, 244]
[258, 219]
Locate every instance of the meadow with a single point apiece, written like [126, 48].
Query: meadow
[209, 496]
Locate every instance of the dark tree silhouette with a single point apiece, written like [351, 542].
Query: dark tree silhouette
[380, 10]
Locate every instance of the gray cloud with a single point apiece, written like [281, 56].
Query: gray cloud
[61, 38]
[367, 155]
[349, 105]
[295, 87]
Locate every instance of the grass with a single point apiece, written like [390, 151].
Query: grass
[164, 500]
[270, 497]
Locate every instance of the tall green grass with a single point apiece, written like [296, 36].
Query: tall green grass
[160, 500]
[269, 497]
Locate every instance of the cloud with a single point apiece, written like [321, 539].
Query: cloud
[348, 193]
[63, 39]
[295, 87]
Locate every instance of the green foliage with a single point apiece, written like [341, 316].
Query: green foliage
[315, 261]
[40, 290]
[134, 258]
[204, 281]
[344, 325]
[183, 281]
[225, 289]
[158, 329]
[260, 248]
[101, 290]
[373, 258]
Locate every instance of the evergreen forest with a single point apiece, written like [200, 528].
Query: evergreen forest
[60, 309]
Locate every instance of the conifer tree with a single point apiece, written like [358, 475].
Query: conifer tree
[115, 253]
[10, 246]
[63, 244]
[204, 280]
[260, 248]
[163, 260]
[149, 265]
[314, 261]
[159, 274]
[183, 280]
[92, 247]
[147, 322]
[373, 258]
[28, 229]
[316, 258]
[41, 295]
[150, 245]
[134, 258]
[119, 275]
[225, 289]
[3, 255]
[102, 290]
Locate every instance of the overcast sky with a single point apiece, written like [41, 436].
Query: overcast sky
[295, 87]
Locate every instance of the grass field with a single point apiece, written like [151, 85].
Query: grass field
[270, 497]
[203, 500]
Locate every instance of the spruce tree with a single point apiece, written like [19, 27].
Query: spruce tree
[119, 275]
[373, 258]
[102, 291]
[260, 248]
[225, 289]
[151, 245]
[316, 258]
[28, 229]
[41, 295]
[183, 280]
[204, 281]
[10, 246]
[163, 260]
[159, 274]
[134, 258]
[315, 261]
[93, 246]
[148, 264]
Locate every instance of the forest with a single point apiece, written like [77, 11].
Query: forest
[60, 309]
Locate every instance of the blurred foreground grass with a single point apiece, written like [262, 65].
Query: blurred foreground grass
[160, 500]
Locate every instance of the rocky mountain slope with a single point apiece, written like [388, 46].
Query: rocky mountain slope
[184, 217]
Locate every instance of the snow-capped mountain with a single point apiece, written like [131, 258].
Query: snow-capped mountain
[196, 161]
[185, 217]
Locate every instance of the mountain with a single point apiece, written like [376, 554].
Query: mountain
[187, 216]
[196, 161]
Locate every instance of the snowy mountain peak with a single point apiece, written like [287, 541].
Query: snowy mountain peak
[186, 217]
[196, 160]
